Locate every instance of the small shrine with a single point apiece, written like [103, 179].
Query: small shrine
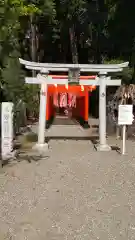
[70, 93]
[69, 100]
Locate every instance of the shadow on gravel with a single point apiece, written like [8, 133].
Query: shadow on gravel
[95, 126]
[116, 148]
[23, 156]
[91, 138]
[113, 148]
[30, 158]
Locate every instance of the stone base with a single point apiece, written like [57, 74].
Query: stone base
[49, 122]
[86, 125]
[11, 155]
[83, 123]
[41, 148]
[103, 148]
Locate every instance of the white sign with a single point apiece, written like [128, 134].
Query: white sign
[125, 115]
[6, 129]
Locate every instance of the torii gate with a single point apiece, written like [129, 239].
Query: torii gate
[102, 81]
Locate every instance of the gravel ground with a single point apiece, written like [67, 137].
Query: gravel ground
[75, 194]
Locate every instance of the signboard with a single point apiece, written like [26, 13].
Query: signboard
[125, 115]
[6, 129]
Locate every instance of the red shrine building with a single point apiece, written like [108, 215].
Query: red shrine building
[69, 100]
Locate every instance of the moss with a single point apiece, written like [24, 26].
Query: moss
[31, 137]
[26, 141]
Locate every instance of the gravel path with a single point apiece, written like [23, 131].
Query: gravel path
[75, 194]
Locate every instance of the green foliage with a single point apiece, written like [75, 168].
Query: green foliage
[127, 73]
[31, 96]
[12, 78]
[113, 61]
[12, 15]
[91, 30]
[73, 9]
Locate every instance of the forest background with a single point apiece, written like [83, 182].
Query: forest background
[62, 31]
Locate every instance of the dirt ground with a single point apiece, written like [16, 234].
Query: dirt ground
[72, 193]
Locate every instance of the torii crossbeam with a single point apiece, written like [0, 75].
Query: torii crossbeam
[102, 80]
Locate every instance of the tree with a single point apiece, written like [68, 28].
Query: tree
[70, 14]
[15, 16]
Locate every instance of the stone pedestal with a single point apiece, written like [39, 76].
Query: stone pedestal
[41, 148]
[103, 148]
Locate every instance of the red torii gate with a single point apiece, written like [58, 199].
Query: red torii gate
[80, 112]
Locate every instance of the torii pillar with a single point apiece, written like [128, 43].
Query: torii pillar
[41, 144]
[102, 146]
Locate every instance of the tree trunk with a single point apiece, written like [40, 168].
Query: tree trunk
[73, 45]
[33, 42]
